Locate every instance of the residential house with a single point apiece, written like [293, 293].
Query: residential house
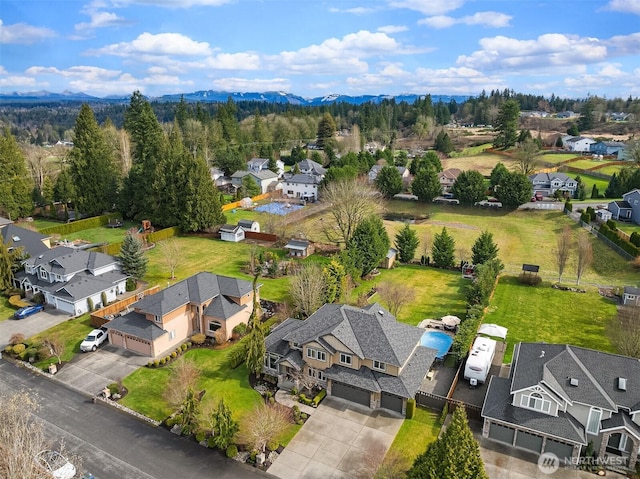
[303, 186]
[204, 303]
[603, 215]
[628, 209]
[265, 179]
[261, 164]
[631, 296]
[607, 148]
[32, 242]
[559, 398]
[579, 144]
[299, 248]
[375, 170]
[249, 225]
[619, 116]
[566, 114]
[548, 183]
[447, 178]
[359, 354]
[233, 233]
[218, 177]
[310, 167]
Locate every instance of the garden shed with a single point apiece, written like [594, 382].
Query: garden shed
[231, 233]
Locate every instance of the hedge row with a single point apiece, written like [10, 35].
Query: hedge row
[75, 226]
[612, 236]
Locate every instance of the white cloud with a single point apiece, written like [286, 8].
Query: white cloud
[233, 61]
[24, 34]
[88, 73]
[625, 44]
[251, 84]
[547, 51]
[627, 6]
[18, 81]
[160, 44]
[98, 19]
[354, 11]
[487, 19]
[172, 3]
[393, 29]
[428, 7]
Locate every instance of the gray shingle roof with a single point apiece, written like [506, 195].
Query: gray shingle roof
[497, 405]
[80, 260]
[223, 308]
[304, 179]
[409, 381]
[620, 420]
[31, 241]
[362, 378]
[137, 325]
[631, 290]
[246, 223]
[265, 175]
[4, 221]
[294, 358]
[195, 289]
[312, 166]
[229, 229]
[273, 342]
[83, 285]
[297, 244]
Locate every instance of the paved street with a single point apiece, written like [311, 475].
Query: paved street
[113, 444]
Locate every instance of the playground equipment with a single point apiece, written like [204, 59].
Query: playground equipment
[146, 227]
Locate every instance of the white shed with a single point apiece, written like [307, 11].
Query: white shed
[231, 233]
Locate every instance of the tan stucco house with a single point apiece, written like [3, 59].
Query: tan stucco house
[203, 303]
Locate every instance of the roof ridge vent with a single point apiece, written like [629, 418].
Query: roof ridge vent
[574, 382]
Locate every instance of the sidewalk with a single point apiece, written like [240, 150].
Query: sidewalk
[286, 399]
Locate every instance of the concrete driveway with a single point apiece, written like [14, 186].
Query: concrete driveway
[31, 325]
[91, 372]
[333, 441]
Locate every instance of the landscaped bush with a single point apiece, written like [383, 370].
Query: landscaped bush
[167, 359]
[232, 451]
[163, 234]
[75, 226]
[635, 239]
[211, 442]
[19, 348]
[162, 362]
[114, 388]
[304, 400]
[38, 298]
[568, 206]
[156, 363]
[16, 338]
[131, 284]
[319, 397]
[201, 436]
[198, 339]
[184, 347]
[14, 292]
[237, 356]
[612, 235]
[411, 408]
[174, 355]
[240, 329]
[273, 445]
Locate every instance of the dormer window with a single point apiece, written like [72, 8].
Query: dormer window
[536, 402]
[379, 366]
[345, 359]
[316, 354]
[43, 274]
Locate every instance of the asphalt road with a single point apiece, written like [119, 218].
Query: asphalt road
[112, 444]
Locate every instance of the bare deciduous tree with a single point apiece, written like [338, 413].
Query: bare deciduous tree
[377, 463]
[52, 346]
[170, 255]
[584, 257]
[264, 424]
[625, 334]
[395, 295]
[184, 377]
[426, 243]
[563, 248]
[307, 289]
[351, 201]
[527, 154]
[38, 165]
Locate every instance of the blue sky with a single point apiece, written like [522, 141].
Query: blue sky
[318, 47]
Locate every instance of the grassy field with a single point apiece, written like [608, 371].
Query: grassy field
[6, 310]
[470, 151]
[587, 164]
[589, 181]
[41, 223]
[628, 227]
[147, 384]
[71, 333]
[557, 158]
[610, 170]
[415, 434]
[544, 314]
[483, 162]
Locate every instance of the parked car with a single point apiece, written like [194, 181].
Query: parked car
[27, 311]
[93, 340]
[55, 464]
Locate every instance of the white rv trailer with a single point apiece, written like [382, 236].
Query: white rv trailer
[479, 361]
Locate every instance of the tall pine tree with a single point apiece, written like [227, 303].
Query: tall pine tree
[406, 242]
[15, 182]
[132, 258]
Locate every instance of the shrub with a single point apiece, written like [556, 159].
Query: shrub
[240, 329]
[211, 443]
[19, 348]
[79, 225]
[272, 400]
[273, 445]
[32, 353]
[103, 298]
[90, 304]
[174, 355]
[162, 362]
[411, 408]
[38, 298]
[163, 234]
[114, 388]
[131, 284]
[184, 347]
[252, 456]
[319, 397]
[219, 336]
[304, 399]
[294, 392]
[568, 206]
[189, 344]
[16, 338]
[167, 359]
[150, 364]
[201, 436]
[303, 415]
[198, 338]
[232, 451]
[635, 239]
[23, 355]
[237, 356]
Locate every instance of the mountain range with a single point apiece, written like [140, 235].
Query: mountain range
[211, 96]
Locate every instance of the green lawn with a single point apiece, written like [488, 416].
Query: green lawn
[610, 170]
[219, 257]
[585, 164]
[544, 314]
[71, 333]
[42, 223]
[437, 292]
[6, 310]
[557, 158]
[628, 227]
[589, 181]
[101, 234]
[470, 151]
[147, 384]
[415, 434]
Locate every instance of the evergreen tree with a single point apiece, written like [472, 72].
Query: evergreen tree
[190, 410]
[580, 193]
[515, 190]
[92, 166]
[273, 165]
[255, 349]
[559, 143]
[63, 189]
[595, 194]
[507, 125]
[426, 185]
[586, 120]
[497, 175]
[469, 187]
[484, 248]
[443, 143]
[389, 181]
[454, 455]
[406, 242]
[572, 130]
[335, 276]
[8, 261]
[249, 187]
[369, 244]
[224, 426]
[15, 182]
[326, 130]
[429, 160]
[132, 258]
[443, 249]
[614, 188]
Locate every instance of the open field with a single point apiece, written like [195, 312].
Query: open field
[610, 170]
[589, 181]
[483, 162]
[586, 163]
[522, 236]
[541, 313]
[557, 158]
[470, 151]
[415, 434]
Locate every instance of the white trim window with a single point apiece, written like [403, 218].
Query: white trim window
[316, 354]
[271, 361]
[536, 402]
[316, 373]
[379, 366]
[593, 423]
[346, 359]
[213, 326]
[157, 319]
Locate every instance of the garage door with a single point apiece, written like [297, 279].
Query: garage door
[64, 306]
[501, 433]
[560, 449]
[528, 441]
[351, 393]
[389, 401]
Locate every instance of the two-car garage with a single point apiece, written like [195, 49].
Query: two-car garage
[351, 393]
[529, 441]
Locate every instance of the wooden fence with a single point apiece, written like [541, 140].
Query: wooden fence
[236, 204]
[260, 236]
[99, 317]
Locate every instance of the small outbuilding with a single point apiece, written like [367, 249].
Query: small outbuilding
[249, 225]
[231, 233]
[390, 259]
[299, 248]
[603, 215]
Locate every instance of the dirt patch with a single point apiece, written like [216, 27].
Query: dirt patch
[452, 225]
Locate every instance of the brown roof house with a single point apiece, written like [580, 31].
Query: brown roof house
[447, 178]
[362, 355]
[204, 303]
